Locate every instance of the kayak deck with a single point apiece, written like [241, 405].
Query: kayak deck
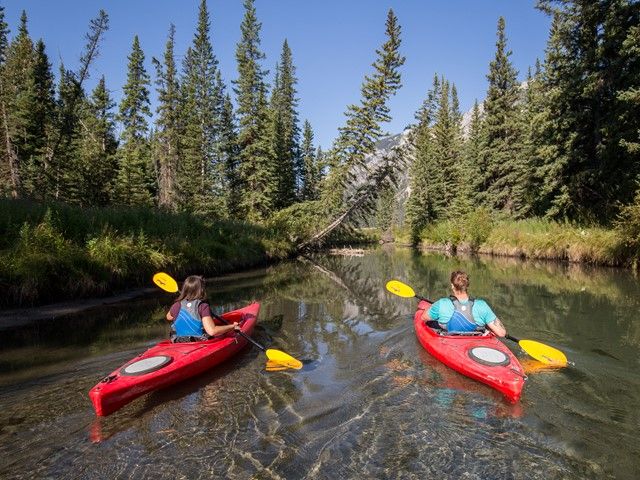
[481, 357]
[167, 363]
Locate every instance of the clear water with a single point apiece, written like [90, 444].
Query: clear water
[369, 402]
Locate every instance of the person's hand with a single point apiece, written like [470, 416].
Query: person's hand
[236, 326]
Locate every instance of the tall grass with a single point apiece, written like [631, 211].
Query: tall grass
[56, 251]
[532, 238]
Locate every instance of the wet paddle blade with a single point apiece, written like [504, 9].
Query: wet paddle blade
[402, 290]
[275, 367]
[165, 282]
[284, 359]
[544, 353]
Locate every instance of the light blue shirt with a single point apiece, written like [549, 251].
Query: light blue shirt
[443, 309]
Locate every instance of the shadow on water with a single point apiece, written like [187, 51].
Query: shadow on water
[369, 402]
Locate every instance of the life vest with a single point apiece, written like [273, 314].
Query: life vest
[188, 324]
[462, 318]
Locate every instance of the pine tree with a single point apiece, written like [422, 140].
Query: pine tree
[310, 172]
[533, 118]
[97, 165]
[285, 130]
[257, 169]
[590, 69]
[63, 169]
[629, 94]
[502, 164]
[472, 154]
[363, 128]
[322, 164]
[201, 177]
[230, 152]
[64, 182]
[385, 208]
[43, 115]
[5, 172]
[424, 176]
[168, 124]
[18, 102]
[446, 155]
[133, 185]
[458, 201]
[4, 37]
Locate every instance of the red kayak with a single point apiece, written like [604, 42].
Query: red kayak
[168, 363]
[481, 357]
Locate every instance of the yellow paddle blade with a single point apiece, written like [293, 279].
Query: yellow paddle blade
[402, 290]
[544, 353]
[165, 282]
[275, 366]
[284, 359]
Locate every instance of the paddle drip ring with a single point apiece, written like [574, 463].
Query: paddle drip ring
[488, 356]
[146, 365]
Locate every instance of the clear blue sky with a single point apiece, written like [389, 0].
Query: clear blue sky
[333, 43]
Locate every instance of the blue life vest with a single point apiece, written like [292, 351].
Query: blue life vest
[188, 322]
[462, 318]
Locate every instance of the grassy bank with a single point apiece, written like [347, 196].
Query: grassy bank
[533, 238]
[55, 251]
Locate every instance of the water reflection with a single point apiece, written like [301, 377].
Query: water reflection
[369, 401]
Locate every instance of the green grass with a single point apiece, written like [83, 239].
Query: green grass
[533, 238]
[55, 251]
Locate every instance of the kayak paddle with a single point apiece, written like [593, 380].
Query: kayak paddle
[284, 360]
[541, 352]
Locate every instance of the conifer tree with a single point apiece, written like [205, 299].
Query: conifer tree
[62, 157]
[502, 164]
[322, 164]
[629, 94]
[230, 152]
[133, 185]
[43, 115]
[424, 177]
[533, 118]
[285, 130]
[590, 69]
[446, 155]
[472, 151]
[5, 173]
[447, 132]
[4, 37]
[385, 208]
[63, 170]
[168, 124]
[363, 128]
[97, 165]
[18, 97]
[201, 176]
[310, 172]
[257, 169]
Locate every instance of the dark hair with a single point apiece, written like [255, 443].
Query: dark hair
[460, 280]
[193, 288]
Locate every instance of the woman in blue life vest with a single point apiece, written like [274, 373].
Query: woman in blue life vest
[191, 314]
[462, 313]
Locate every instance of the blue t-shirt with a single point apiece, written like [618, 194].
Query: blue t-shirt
[443, 309]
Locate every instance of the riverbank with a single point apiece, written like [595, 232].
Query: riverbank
[530, 239]
[54, 252]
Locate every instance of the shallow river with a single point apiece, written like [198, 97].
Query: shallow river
[369, 402]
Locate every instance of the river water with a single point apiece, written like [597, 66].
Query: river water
[369, 401]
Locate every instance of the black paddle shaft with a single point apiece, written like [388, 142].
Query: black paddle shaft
[242, 334]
